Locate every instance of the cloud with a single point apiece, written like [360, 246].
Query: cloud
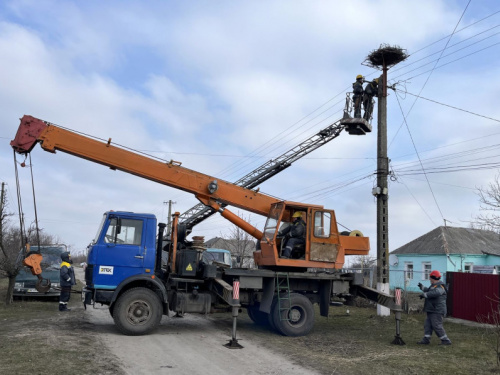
[195, 81]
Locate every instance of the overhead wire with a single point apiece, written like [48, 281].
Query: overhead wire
[450, 106]
[416, 200]
[447, 48]
[421, 165]
[448, 55]
[413, 104]
[445, 64]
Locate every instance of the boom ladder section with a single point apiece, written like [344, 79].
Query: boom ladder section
[200, 212]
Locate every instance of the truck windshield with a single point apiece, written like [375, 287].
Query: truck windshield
[272, 220]
[99, 230]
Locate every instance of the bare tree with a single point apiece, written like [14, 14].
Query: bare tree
[240, 244]
[10, 245]
[492, 323]
[364, 262]
[489, 199]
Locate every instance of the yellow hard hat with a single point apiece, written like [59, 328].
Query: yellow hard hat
[359, 76]
[375, 80]
[297, 214]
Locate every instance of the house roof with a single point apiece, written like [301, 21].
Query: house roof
[450, 240]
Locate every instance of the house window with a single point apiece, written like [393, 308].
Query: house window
[426, 270]
[468, 267]
[408, 271]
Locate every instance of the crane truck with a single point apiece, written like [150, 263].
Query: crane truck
[125, 270]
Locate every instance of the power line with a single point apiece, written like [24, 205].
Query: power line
[415, 147]
[416, 200]
[453, 45]
[425, 83]
[450, 106]
[455, 32]
[448, 55]
[445, 64]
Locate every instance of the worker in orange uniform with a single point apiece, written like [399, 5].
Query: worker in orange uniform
[67, 280]
[357, 98]
[371, 90]
[295, 234]
[435, 307]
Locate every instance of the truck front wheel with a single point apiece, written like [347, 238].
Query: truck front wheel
[298, 320]
[138, 311]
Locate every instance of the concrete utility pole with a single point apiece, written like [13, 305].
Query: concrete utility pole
[1, 198]
[382, 193]
[169, 221]
[383, 58]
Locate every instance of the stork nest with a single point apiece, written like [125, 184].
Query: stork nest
[386, 54]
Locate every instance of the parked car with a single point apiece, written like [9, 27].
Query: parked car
[51, 263]
[220, 256]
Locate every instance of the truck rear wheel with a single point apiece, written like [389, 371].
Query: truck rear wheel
[298, 320]
[138, 311]
[258, 317]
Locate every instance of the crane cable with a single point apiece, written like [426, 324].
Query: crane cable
[19, 205]
[24, 238]
[34, 205]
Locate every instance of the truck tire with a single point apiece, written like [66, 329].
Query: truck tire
[138, 311]
[296, 321]
[258, 317]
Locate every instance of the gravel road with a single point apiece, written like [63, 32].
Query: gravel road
[189, 345]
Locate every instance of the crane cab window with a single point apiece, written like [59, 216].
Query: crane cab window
[322, 224]
[124, 232]
[272, 220]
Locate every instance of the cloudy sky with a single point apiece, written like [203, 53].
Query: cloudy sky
[225, 86]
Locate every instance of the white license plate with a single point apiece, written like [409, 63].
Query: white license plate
[32, 290]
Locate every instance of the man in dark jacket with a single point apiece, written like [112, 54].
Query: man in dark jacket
[435, 307]
[294, 234]
[371, 90]
[357, 98]
[67, 280]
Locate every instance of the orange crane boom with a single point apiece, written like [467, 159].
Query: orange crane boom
[325, 248]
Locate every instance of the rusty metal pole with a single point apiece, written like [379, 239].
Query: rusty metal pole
[382, 193]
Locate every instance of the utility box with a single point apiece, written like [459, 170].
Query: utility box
[187, 262]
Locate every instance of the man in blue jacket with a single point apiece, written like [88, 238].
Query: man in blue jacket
[435, 307]
[67, 280]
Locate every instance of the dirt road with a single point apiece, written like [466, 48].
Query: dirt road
[188, 346]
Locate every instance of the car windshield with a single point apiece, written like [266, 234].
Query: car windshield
[219, 256]
[51, 256]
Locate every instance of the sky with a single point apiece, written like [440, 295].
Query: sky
[225, 86]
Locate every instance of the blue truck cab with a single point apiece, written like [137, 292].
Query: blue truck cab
[123, 249]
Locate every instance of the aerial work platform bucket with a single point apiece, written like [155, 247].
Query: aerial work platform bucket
[356, 126]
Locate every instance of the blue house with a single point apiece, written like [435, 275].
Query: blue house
[443, 249]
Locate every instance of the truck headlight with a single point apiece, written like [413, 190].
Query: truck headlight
[19, 285]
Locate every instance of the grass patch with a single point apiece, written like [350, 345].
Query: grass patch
[359, 342]
[38, 339]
